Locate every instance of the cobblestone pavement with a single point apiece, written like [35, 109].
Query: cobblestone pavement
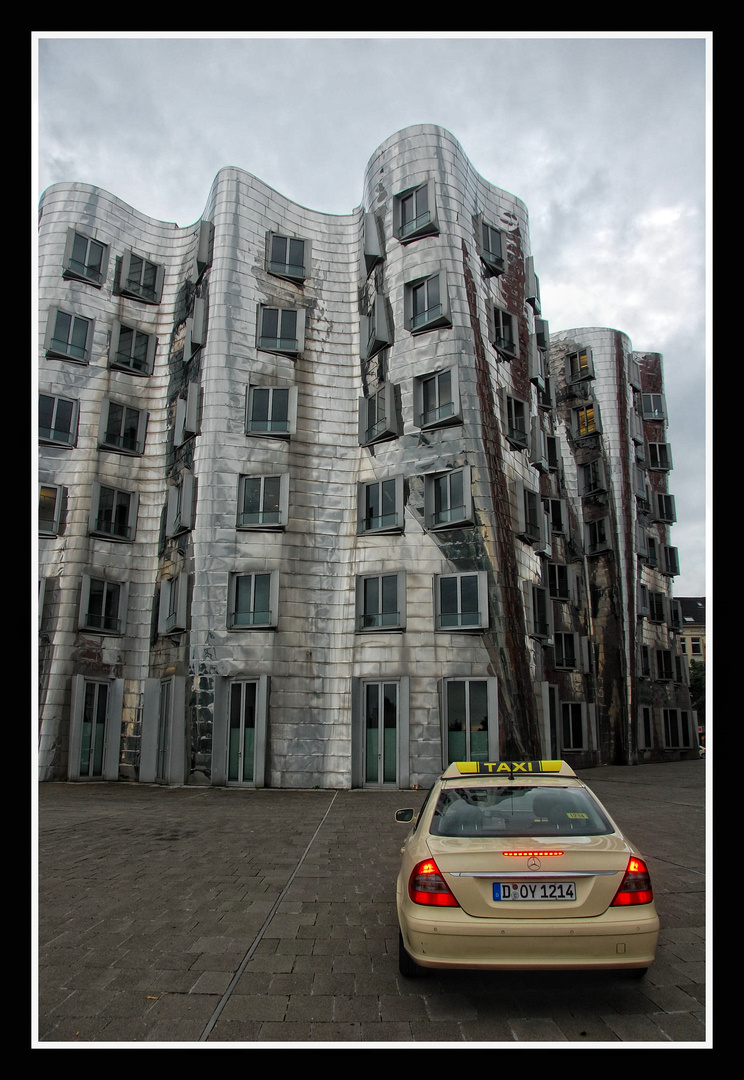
[206, 915]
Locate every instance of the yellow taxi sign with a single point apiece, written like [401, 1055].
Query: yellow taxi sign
[507, 768]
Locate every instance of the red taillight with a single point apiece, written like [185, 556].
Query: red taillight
[635, 888]
[427, 886]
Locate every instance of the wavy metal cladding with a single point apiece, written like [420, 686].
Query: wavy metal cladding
[311, 670]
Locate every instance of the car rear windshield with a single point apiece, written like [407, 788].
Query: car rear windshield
[518, 811]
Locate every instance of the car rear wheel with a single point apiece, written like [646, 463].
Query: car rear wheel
[407, 966]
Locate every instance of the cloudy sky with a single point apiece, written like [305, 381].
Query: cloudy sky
[604, 139]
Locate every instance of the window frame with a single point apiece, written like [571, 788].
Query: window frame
[592, 476]
[434, 518]
[95, 528]
[290, 423]
[582, 425]
[674, 736]
[494, 262]
[57, 492]
[597, 536]
[492, 705]
[579, 365]
[288, 269]
[180, 505]
[118, 591]
[71, 431]
[273, 598]
[440, 317]
[405, 231]
[517, 437]
[452, 407]
[566, 646]
[52, 347]
[278, 345]
[539, 611]
[506, 345]
[665, 506]
[386, 423]
[653, 406]
[117, 444]
[129, 365]
[395, 525]
[173, 607]
[481, 621]
[85, 273]
[126, 284]
[659, 456]
[375, 331]
[363, 625]
[282, 505]
[186, 424]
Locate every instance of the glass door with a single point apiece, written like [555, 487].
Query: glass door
[241, 733]
[380, 733]
[467, 720]
[95, 705]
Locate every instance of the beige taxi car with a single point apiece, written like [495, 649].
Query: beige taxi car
[515, 865]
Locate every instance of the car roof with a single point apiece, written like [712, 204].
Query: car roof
[509, 770]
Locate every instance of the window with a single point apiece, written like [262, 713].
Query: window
[436, 399]
[665, 508]
[559, 581]
[540, 611]
[95, 725]
[675, 618]
[592, 477]
[287, 257]
[196, 329]
[645, 670]
[414, 213]
[469, 720]
[377, 415]
[448, 501]
[664, 670]
[372, 246]
[531, 284]
[564, 650]
[69, 337]
[179, 514]
[253, 600]
[491, 248]
[132, 350]
[271, 410]
[375, 331]
[557, 515]
[656, 607]
[427, 303]
[585, 421]
[461, 601]
[503, 332]
[263, 501]
[573, 716]
[50, 509]
[139, 278]
[579, 365]
[597, 536]
[654, 406]
[554, 453]
[58, 420]
[539, 446]
[281, 330]
[677, 729]
[205, 246]
[102, 605]
[659, 456]
[85, 259]
[123, 428]
[380, 506]
[381, 602]
[173, 607]
[517, 423]
[634, 373]
[536, 365]
[529, 524]
[669, 560]
[113, 513]
[187, 415]
[652, 551]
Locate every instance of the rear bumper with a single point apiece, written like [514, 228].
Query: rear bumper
[442, 938]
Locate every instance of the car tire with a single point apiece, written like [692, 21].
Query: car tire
[406, 965]
[637, 973]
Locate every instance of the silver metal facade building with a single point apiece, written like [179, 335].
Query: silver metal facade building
[312, 494]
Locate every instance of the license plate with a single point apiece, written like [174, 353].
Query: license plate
[534, 890]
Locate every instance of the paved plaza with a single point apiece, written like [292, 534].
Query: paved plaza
[206, 915]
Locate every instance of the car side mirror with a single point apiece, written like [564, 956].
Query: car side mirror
[404, 815]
